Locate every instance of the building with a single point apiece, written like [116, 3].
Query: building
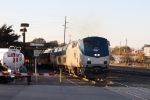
[147, 51]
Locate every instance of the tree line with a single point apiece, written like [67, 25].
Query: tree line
[127, 52]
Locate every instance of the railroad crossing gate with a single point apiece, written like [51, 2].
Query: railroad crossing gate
[28, 74]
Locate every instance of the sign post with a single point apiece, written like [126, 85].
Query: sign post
[36, 54]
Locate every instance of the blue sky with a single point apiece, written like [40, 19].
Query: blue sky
[116, 20]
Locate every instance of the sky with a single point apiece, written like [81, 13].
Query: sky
[116, 20]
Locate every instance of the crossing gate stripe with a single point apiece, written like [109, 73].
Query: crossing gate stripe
[28, 74]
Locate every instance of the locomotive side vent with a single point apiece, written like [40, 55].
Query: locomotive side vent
[88, 62]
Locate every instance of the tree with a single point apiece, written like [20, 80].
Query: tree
[141, 57]
[111, 57]
[120, 50]
[38, 40]
[8, 37]
[126, 58]
[61, 44]
[53, 43]
[115, 50]
[125, 49]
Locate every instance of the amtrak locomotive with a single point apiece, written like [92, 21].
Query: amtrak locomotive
[88, 57]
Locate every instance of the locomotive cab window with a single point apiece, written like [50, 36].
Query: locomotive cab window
[89, 42]
[74, 45]
[101, 42]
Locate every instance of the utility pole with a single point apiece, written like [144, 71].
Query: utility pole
[119, 52]
[120, 49]
[65, 29]
[69, 38]
[126, 52]
[126, 46]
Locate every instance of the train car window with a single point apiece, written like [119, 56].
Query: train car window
[53, 51]
[73, 45]
[64, 48]
[56, 50]
[88, 42]
[60, 49]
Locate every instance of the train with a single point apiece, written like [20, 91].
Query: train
[87, 57]
[44, 59]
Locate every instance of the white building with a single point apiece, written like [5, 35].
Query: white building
[147, 51]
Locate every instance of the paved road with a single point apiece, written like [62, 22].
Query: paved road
[43, 92]
[49, 88]
[47, 92]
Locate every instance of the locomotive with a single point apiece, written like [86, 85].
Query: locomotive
[88, 57]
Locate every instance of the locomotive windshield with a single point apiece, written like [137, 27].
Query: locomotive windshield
[92, 42]
[101, 43]
[95, 46]
[88, 42]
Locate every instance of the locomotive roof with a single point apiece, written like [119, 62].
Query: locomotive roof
[94, 37]
[47, 51]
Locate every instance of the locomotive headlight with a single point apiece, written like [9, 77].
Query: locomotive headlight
[98, 54]
[95, 54]
[9, 70]
[89, 59]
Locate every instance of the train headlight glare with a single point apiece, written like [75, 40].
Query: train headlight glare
[9, 70]
[88, 59]
[98, 54]
[95, 54]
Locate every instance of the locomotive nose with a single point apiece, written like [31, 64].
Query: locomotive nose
[97, 70]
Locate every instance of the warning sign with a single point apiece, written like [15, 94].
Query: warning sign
[37, 52]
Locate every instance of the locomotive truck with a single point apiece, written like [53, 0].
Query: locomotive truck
[10, 61]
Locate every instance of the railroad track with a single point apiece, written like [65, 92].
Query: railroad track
[95, 82]
[130, 72]
[108, 82]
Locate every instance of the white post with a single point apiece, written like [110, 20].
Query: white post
[36, 69]
[35, 65]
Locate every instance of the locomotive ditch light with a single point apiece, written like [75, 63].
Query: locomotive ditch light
[89, 59]
[98, 54]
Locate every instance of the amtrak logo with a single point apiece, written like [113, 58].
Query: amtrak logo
[95, 49]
